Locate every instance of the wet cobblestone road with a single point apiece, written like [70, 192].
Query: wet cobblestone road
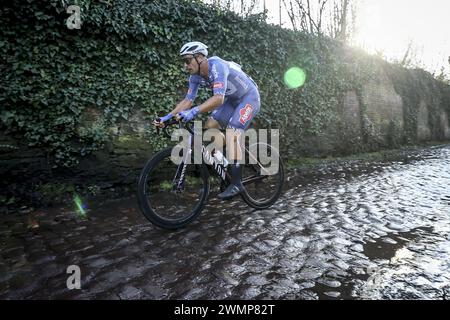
[348, 231]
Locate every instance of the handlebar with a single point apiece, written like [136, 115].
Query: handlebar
[187, 125]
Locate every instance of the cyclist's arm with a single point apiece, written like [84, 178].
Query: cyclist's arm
[181, 106]
[220, 73]
[187, 102]
[208, 105]
[212, 103]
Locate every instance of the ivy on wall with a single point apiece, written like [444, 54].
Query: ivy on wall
[125, 57]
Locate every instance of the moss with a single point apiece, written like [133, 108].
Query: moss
[381, 155]
[130, 142]
[297, 162]
[53, 192]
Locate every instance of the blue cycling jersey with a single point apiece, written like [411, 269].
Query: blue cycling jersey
[224, 78]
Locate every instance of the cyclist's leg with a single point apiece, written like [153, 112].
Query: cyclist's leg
[241, 119]
[219, 120]
[223, 113]
[211, 123]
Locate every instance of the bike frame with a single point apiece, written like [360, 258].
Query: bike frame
[209, 159]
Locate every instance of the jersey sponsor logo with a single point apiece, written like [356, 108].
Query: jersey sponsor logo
[245, 114]
[218, 85]
[189, 91]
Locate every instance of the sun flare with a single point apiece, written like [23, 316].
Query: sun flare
[389, 27]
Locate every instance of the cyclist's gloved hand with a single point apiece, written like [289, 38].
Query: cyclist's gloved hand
[188, 115]
[160, 121]
[166, 117]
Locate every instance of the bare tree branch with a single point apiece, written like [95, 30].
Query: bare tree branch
[334, 18]
[291, 14]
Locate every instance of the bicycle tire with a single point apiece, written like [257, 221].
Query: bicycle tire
[144, 187]
[278, 188]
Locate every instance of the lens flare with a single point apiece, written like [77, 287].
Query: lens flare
[80, 206]
[294, 78]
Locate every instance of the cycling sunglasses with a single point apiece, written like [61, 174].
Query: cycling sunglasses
[188, 60]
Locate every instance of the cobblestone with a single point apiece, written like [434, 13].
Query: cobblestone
[322, 240]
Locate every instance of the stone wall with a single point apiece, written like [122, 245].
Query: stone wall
[370, 119]
[377, 115]
[384, 107]
[445, 124]
[423, 123]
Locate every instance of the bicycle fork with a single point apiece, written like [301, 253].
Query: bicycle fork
[181, 170]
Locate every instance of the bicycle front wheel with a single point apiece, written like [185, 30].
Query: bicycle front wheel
[172, 195]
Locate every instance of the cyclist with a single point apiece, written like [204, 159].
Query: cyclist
[234, 104]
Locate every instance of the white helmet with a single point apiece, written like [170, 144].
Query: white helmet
[193, 48]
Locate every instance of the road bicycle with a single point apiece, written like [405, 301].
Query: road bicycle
[171, 195]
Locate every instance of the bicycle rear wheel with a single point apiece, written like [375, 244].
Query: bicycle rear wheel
[262, 176]
[168, 198]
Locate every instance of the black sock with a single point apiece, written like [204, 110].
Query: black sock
[236, 173]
